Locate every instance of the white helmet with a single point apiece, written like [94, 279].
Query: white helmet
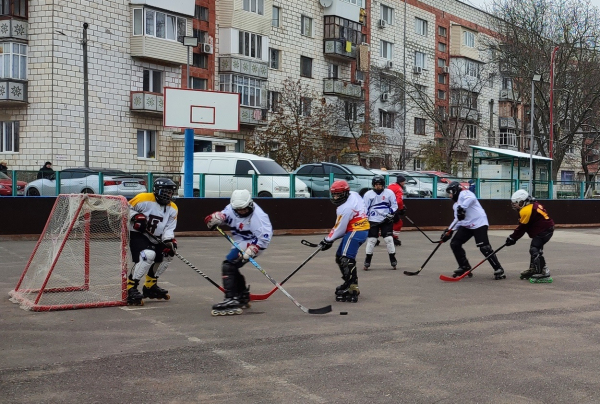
[520, 198]
[241, 199]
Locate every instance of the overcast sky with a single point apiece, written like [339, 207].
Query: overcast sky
[482, 3]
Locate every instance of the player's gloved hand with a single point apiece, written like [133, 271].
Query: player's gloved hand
[389, 218]
[214, 219]
[510, 241]
[139, 222]
[446, 235]
[402, 211]
[461, 213]
[250, 252]
[325, 245]
[170, 247]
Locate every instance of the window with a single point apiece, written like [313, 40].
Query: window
[506, 83]
[441, 62]
[387, 14]
[567, 176]
[201, 13]
[419, 126]
[386, 119]
[305, 66]
[386, 50]
[201, 35]
[358, 3]
[442, 31]
[274, 58]
[160, 25]
[198, 84]
[332, 71]
[153, 81]
[420, 59]
[508, 137]
[13, 61]
[471, 68]
[254, 6]
[146, 144]
[442, 47]
[305, 104]
[417, 165]
[469, 39]
[420, 26]
[9, 136]
[441, 94]
[341, 28]
[249, 88]
[441, 78]
[350, 111]
[471, 132]
[386, 86]
[200, 60]
[138, 21]
[275, 20]
[250, 45]
[306, 26]
[13, 7]
[273, 99]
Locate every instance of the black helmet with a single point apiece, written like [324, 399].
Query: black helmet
[164, 189]
[378, 179]
[454, 189]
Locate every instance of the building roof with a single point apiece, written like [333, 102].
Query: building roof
[511, 153]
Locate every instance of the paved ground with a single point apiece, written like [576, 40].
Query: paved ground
[408, 339]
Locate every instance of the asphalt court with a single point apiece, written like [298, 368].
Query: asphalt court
[408, 339]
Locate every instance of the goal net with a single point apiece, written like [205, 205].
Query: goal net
[81, 258]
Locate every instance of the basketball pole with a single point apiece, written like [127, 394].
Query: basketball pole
[188, 155]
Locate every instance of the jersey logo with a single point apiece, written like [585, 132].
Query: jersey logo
[153, 222]
[241, 226]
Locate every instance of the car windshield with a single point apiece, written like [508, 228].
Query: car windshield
[358, 170]
[267, 167]
[4, 176]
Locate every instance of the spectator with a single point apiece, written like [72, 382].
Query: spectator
[46, 171]
[472, 186]
[3, 167]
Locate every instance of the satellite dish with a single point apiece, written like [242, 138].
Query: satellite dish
[326, 3]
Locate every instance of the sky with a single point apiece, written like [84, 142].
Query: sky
[482, 3]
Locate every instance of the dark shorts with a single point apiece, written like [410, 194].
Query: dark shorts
[138, 243]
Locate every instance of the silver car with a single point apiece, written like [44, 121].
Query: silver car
[87, 181]
[416, 185]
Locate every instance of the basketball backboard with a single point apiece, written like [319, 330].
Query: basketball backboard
[200, 109]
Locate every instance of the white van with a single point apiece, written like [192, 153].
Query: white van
[226, 172]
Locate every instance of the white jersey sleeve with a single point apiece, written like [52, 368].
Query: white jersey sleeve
[475, 216]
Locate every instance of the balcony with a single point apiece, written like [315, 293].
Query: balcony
[507, 95]
[341, 88]
[147, 102]
[233, 64]
[158, 50]
[253, 116]
[337, 48]
[464, 113]
[509, 123]
[13, 28]
[13, 92]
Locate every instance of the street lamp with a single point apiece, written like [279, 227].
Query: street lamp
[536, 78]
[190, 42]
[552, 101]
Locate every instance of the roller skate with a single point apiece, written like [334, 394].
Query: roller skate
[461, 270]
[244, 298]
[541, 277]
[528, 273]
[152, 291]
[134, 297]
[393, 261]
[349, 294]
[368, 261]
[227, 307]
[499, 273]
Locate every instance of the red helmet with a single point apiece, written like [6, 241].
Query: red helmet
[340, 191]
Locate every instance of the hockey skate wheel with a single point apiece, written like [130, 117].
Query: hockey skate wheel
[366, 268]
[167, 297]
[500, 277]
[215, 313]
[136, 303]
[340, 299]
[393, 268]
[454, 275]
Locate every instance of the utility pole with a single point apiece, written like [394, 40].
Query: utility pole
[86, 121]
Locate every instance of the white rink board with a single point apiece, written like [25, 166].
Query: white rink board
[200, 109]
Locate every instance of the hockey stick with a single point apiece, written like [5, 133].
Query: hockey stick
[308, 244]
[266, 295]
[426, 261]
[413, 223]
[322, 310]
[458, 278]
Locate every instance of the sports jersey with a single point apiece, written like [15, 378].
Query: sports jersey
[380, 205]
[252, 229]
[399, 192]
[162, 220]
[351, 216]
[475, 216]
[533, 219]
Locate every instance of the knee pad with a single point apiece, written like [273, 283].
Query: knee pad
[389, 243]
[371, 241]
[348, 266]
[160, 268]
[535, 252]
[230, 272]
[486, 249]
[146, 261]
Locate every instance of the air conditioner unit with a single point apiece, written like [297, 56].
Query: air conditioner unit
[206, 48]
[418, 70]
[445, 69]
[385, 97]
[382, 23]
[389, 64]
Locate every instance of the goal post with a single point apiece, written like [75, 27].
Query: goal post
[81, 257]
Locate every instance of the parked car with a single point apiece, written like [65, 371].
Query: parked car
[414, 187]
[444, 179]
[6, 186]
[316, 176]
[84, 180]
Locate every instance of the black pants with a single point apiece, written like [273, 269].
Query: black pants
[536, 249]
[463, 235]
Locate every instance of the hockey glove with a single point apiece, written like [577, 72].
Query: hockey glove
[389, 218]
[446, 235]
[170, 247]
[510, 241]
[214, 219]
[461, 213]
[139, 222]
[250, 252]
[402, 211]
[325, 245]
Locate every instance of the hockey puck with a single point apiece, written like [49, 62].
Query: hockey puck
[343, 313]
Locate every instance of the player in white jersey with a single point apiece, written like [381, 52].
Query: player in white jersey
[381, 206]
[252, 231]
[351, 225]
[154, 213]
[469, 221]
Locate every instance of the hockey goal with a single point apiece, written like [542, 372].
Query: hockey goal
[81, 258]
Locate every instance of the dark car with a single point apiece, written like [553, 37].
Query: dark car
[6, 186]
[316, 177]
[444, 179]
